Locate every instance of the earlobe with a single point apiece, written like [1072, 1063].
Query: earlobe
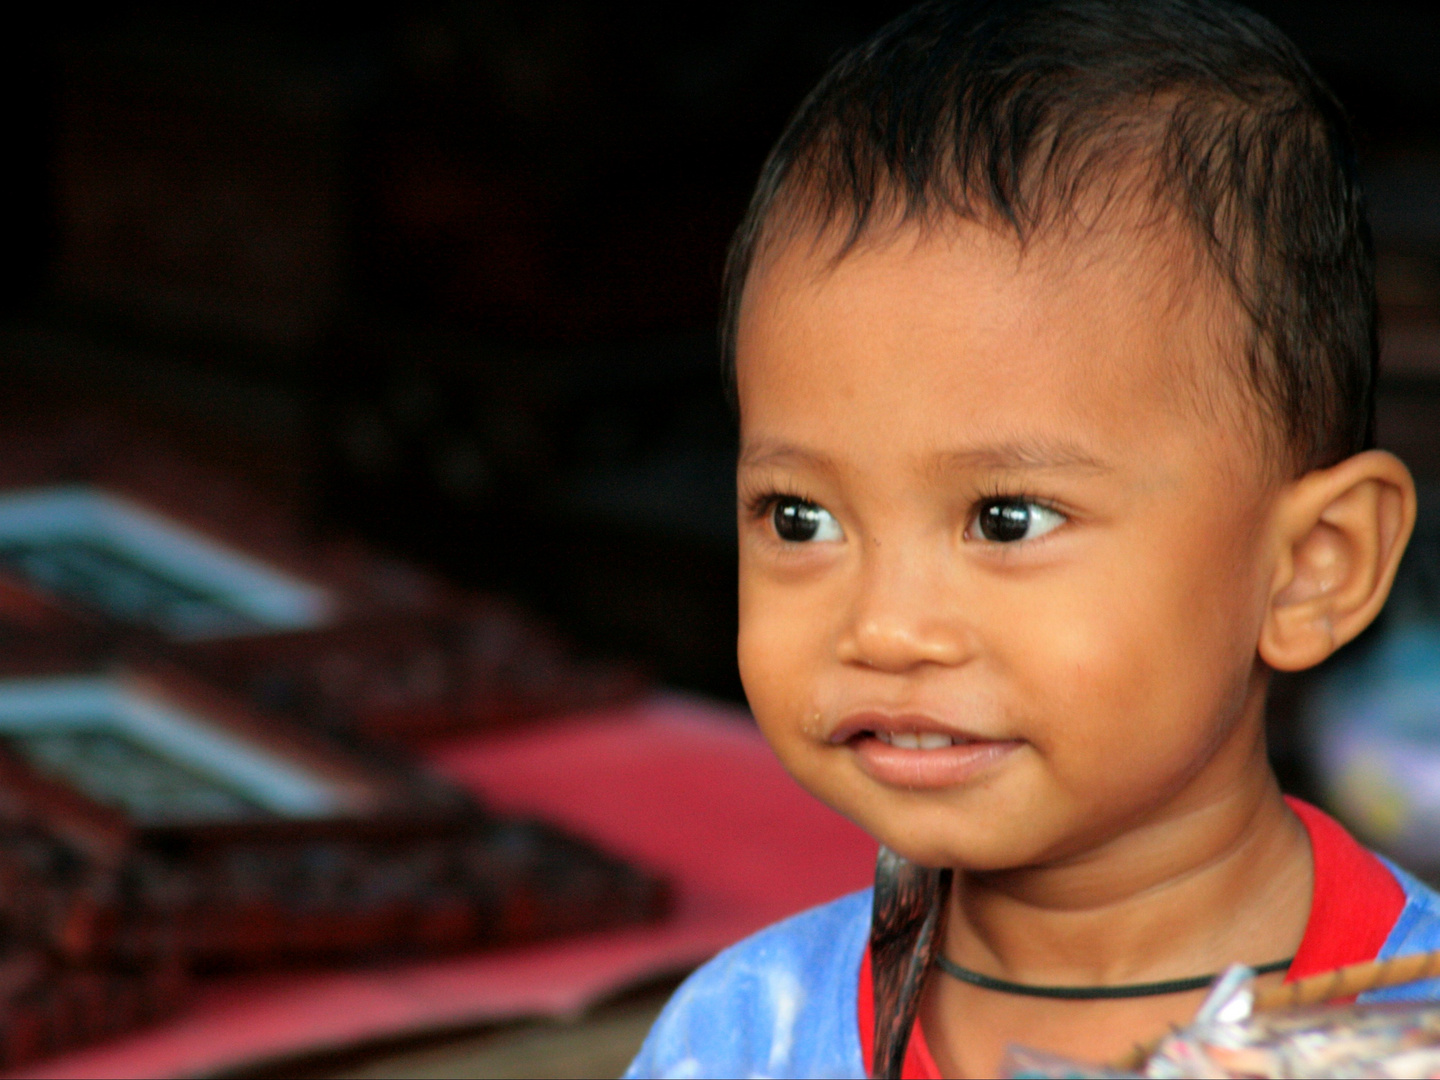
[1340, 534]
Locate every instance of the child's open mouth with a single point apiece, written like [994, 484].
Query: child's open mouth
[918, 740]
[914, 752]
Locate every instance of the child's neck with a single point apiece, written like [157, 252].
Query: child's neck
[1158, 896]
[1223, 875]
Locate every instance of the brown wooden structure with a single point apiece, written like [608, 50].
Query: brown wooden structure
[151, 825]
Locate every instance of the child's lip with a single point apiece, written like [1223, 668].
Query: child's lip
[885, 726]
[915, 751]
[942, 767]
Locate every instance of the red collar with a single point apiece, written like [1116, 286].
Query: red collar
[1353, 908]
[1355, 903]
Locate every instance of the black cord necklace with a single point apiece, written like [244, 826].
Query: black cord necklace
[1091, 993]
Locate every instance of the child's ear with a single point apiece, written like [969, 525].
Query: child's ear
[1341, 533]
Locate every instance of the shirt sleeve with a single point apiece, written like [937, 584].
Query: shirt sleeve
[1416, 931]
[779, 1004]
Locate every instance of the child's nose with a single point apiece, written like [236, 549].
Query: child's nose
[900, 620]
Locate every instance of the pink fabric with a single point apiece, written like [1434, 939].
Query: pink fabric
[678, 784]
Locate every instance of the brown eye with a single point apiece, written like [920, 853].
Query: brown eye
[1005, 521]
[798, 521]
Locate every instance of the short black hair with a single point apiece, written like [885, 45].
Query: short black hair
[1008, 110]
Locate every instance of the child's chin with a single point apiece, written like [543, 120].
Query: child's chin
[982, 855]
[975, 839]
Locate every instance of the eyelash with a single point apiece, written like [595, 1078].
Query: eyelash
[994, 493]
[763, 502]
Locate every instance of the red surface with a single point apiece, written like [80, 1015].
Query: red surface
[680, 785]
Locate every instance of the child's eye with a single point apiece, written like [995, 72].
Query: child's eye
[1005, 521]
[799, 521]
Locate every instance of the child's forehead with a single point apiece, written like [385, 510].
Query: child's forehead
[1049, 337]
[1143, 252]
[966, 283]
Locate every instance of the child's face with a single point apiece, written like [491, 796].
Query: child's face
[1005, 502]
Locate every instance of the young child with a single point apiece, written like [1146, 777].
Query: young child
[1053, 336]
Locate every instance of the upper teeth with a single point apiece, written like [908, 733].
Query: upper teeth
[915, 740]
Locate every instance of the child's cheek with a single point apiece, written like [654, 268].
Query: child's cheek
[774, 651]
[1132, 685]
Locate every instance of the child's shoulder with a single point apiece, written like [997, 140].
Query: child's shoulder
[1417, 930]
[782, 1002]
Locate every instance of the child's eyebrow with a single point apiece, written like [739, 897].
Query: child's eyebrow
[1020, 456]
[997, 457]
[767, 453]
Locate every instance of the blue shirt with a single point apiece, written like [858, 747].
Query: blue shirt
[785, 1002]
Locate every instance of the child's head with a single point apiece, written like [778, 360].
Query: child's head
[1052, 326]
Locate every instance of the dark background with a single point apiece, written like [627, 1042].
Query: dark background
[446, 274]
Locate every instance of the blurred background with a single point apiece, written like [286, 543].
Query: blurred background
[443, 277]
[451, 270]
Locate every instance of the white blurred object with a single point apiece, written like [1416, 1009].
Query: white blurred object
[139, 566]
